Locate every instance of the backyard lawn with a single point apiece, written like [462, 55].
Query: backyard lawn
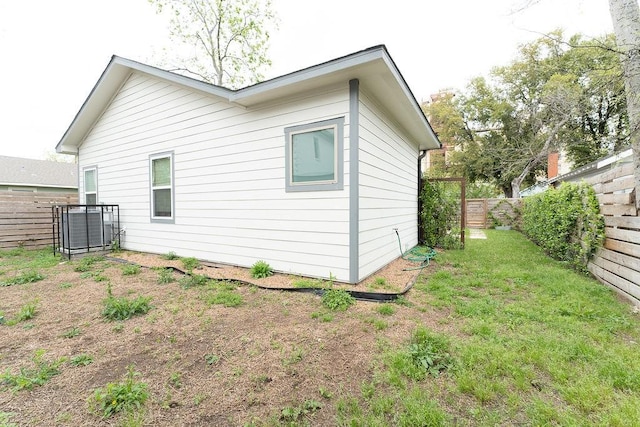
[496, 334]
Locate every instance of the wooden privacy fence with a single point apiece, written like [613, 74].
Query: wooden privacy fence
[487, 213]
[617, 264]
[25, 218]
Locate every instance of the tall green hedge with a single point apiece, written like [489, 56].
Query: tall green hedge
[566, 222]
[441, 214]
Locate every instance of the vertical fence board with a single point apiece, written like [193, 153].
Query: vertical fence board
[25, 218]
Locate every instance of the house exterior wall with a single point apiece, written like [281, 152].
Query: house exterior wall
[229, 177]
[388, 189]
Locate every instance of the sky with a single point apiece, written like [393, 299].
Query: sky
[53, 52]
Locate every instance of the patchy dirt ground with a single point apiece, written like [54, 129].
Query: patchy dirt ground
[205, 364]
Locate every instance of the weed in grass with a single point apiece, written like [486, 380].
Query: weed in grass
[386, 309]
[123, 308]
[23, 278]
[293, 414]
[378, 324]
[323, 316]
[190, 263]
[118, 328]
[130, 269]
[175, 379]
[199, 398]
[211, 359]
[193, 280]
[223, 297]
[307, 283]
[325, 393]
[337, 299]
[73, 332]
[65, 285]
[170, 256]
[87, 263]
[260, 270]
[426, 354]
[165, 275]
[296, 355]
[5, 419]
[81, 360]
[27, 312]
[115, 397]
[28, 378]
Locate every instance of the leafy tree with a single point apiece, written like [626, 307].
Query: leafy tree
[555, 94]
[625, 15]
[227, 40]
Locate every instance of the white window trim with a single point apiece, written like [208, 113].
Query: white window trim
[84, 182]
[162, 219]
[337, 125]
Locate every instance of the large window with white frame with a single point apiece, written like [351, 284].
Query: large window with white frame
[162, 194]
[91, 185]
[314, 156]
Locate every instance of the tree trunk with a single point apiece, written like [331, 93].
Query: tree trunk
[625, 15]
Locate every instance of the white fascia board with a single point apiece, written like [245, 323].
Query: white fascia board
[307, 74]
[19, 184]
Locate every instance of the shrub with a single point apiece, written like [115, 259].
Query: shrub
[337, 299]
[565, 222]
[440, 215]
[115, 397]
[260, 270]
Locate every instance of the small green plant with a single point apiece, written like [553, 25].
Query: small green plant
[386, 309]
[190, 263]
[115, 246]
[23, 278]
[292, 414]
[170, 256]
[337, 299]
[324, 392]
[27, 312]
[86, 264]
[307, 283]
[260, 270]
[223, 297]
[123, 308]
[118, 328]
[81, 360]
[73, 332]
[130, 270]
[5, 418]
[116, 397]
[175, 379]
[165, 275]
[65, 285]
[211, 359]
[426, 354]
[28, 378]
[296, 355]
[323, 316]
[193, 280]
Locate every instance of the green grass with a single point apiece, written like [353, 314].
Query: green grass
[127, 395]
[30, 276]
[527, 341]
[30, 377]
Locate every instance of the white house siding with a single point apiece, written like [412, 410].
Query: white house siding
[388, 188]
[230, 200]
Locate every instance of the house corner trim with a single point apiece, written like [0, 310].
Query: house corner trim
[354, 180]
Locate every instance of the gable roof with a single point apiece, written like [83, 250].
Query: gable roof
[373, 67]
[37, 173]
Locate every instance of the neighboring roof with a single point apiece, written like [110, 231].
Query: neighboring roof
[37, 173]
[373, 67]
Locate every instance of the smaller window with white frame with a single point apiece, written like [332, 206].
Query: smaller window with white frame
[314, 156]
[161, 180]
[91, 185]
